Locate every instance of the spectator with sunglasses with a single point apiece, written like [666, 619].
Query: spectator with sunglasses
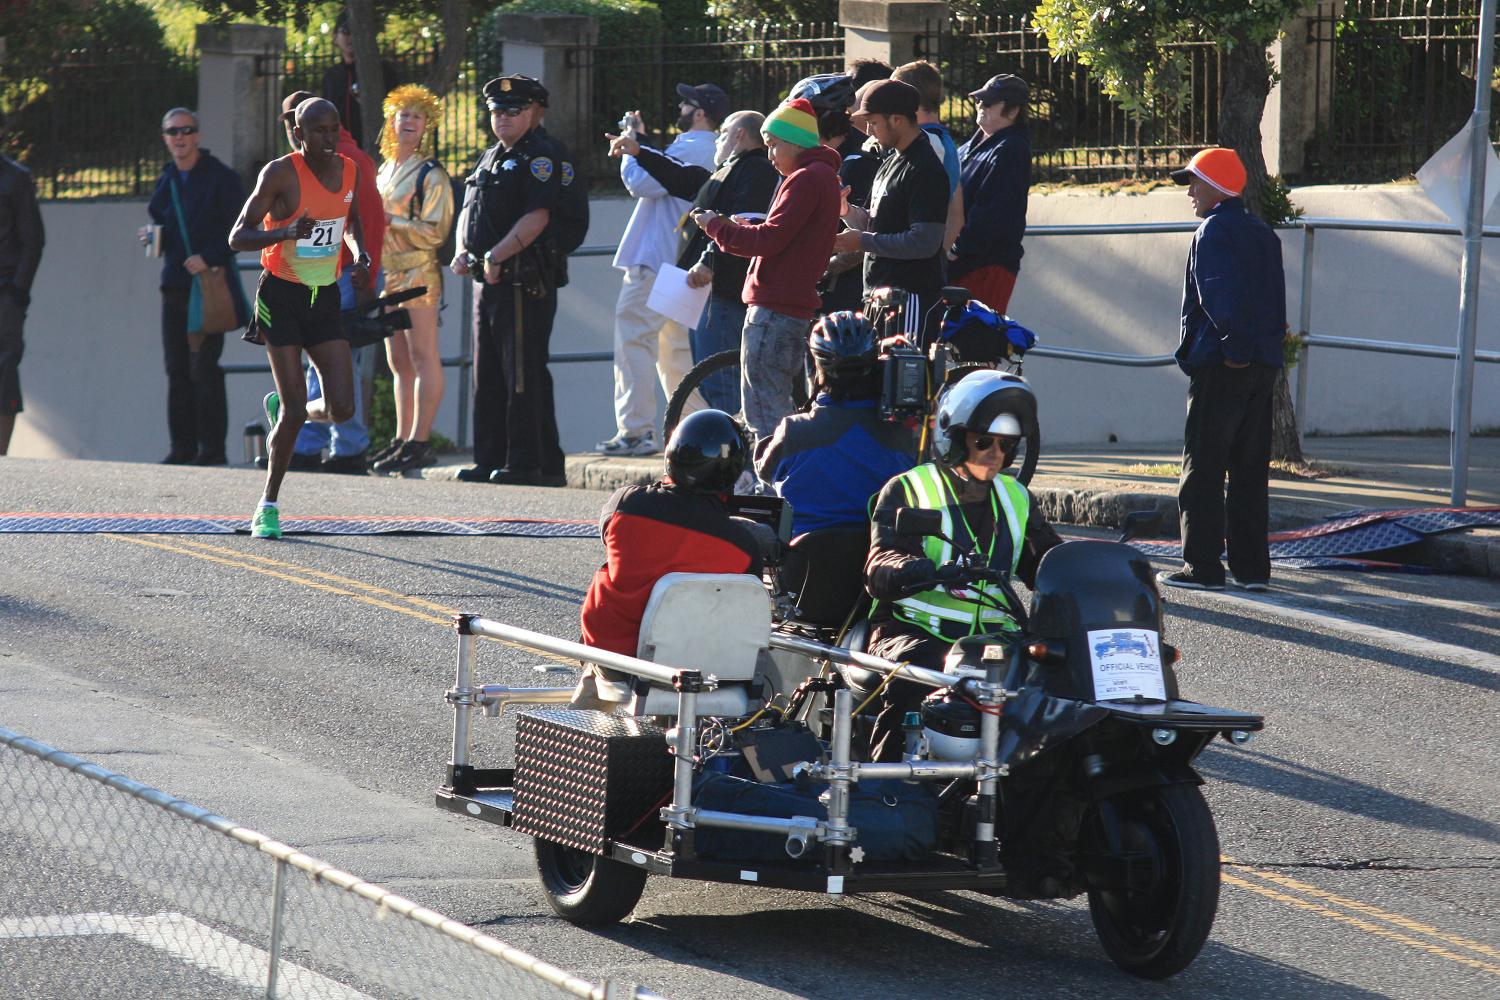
[197, 191]
[916, 618]
[996, 172]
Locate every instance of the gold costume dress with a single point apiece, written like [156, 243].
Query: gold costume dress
[412, 239]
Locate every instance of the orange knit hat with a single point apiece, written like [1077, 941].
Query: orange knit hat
[1218, 166]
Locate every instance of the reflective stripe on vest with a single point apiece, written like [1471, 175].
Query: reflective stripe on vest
[928, 609]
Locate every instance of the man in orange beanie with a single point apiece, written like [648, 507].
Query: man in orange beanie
[789, 250]
[1233, 322]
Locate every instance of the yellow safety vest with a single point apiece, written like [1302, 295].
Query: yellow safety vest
[929, 610]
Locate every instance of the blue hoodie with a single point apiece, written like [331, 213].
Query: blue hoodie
[1234, 294]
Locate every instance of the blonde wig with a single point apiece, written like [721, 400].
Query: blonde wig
[410, 97]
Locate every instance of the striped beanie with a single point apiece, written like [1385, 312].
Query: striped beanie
[794, 122]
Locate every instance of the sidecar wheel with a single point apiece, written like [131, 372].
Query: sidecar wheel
[586, 888]
[1156, 926]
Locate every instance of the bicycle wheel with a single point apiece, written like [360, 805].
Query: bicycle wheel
[724, 366]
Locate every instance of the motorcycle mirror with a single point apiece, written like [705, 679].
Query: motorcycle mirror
[918, 522]
[1141, 524]
[955, 296]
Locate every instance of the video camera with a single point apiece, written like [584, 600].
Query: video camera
[366, 325]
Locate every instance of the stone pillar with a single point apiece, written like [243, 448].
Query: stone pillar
[1304, 65]
[238, 100]
[543, 46]
[889, 29]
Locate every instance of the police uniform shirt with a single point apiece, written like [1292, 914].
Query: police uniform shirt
[508, 183]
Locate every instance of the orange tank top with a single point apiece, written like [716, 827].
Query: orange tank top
[314, 261]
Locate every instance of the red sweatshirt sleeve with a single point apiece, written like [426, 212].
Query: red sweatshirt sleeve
[788, 217]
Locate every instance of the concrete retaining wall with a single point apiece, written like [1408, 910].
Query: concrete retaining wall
[95, 388]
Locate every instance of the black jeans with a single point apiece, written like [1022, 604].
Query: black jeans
[1228, 434]
[891, 641]
[514, 429]
[197, 408]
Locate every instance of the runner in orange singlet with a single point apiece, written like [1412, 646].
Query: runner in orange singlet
[305, 205]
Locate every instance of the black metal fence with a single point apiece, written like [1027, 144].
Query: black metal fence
[463, 132]
[1395, 82]
[1077, 132]
[88, 123]
[755, 62]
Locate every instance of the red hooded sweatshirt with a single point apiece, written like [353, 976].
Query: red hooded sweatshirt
[371, 205]
[790, 250]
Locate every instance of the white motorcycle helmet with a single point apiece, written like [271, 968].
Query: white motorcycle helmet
[986, 402]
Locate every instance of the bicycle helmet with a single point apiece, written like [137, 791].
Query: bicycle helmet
[707, 452]
[843, 346]
[986, 402]
[825, 92]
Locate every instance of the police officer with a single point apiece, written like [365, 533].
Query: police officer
[506, 245]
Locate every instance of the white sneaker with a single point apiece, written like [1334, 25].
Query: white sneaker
[629, 445]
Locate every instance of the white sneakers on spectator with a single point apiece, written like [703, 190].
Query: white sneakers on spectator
[629, 445]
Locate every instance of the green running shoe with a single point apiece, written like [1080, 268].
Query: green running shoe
[272, 403]
[266, 523]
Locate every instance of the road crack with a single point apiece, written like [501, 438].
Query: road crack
[1394, 863]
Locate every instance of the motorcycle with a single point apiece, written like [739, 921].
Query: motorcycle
[1047, 763]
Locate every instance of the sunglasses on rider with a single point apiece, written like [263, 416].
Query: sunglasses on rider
[180, 130]
[984, 442]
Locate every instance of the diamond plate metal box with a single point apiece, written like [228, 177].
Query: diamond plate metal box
[584, 777]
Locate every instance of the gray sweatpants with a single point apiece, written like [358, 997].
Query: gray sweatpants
[771, 355]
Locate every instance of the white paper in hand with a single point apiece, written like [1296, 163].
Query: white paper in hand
[1445, 177]
[675, 299]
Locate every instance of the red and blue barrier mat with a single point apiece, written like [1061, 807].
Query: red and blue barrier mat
[1338, 542]
[230, 524]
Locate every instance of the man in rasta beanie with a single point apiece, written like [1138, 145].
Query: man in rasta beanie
[789, 252]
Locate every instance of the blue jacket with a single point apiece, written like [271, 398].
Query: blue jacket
[1234, 294]
[830, 461]
[997, 178]
[211, 202]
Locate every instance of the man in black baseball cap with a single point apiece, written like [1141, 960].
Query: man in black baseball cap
[514, 91]
[1004, 88]
[711, 100]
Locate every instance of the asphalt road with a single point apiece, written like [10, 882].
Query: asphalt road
[296, 687]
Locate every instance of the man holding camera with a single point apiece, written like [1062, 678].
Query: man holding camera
[506, 246]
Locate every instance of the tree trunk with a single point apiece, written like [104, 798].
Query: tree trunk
[1247, 84]
[365, 27]
[444, 71]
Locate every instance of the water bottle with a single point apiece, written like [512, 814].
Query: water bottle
[255, 442]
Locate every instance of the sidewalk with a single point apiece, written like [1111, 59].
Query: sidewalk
[1098, 484]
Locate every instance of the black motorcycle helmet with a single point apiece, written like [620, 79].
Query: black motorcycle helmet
[831, 96]
[707, 452]
[844, 348]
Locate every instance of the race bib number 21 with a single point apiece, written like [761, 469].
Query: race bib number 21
[326, 236]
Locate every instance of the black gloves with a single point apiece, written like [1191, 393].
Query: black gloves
[915, 575]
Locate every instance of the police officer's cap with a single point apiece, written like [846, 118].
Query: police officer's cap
[514, 91]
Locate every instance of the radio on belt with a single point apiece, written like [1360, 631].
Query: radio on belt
[903, 384]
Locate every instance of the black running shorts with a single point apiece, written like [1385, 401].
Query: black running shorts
[290, 314]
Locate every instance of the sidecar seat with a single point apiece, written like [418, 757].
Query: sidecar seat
[826, 570]
[717, 623]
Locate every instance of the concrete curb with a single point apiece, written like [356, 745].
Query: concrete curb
[1465, 554]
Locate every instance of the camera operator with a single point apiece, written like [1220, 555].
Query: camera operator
[506, 245]
[831, 460]
[916, 618]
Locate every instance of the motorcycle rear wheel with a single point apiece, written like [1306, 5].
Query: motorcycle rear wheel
[587, 889]
[1155, 930]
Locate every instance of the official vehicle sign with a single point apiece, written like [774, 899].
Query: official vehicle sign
[1127, 664]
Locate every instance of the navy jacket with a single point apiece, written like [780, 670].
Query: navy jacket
[829, 462]
[211, 201]
[997, 178]
[1234, 295]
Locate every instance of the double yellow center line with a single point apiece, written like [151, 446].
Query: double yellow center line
[1352, 913]
[329, 583]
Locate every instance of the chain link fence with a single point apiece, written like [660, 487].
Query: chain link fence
[110, 888]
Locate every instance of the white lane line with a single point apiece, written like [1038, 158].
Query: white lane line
[186, 940]
[1402, 641]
